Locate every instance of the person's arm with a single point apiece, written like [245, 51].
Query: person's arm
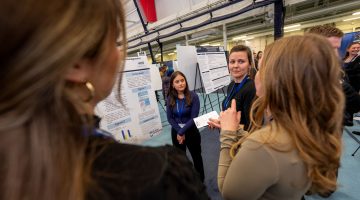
[170, 117]
[247, 102]
[249, 174]
[195, 109]
[227, 139]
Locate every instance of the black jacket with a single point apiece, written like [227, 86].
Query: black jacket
[244, 98]
[353, 72]
[131, 172]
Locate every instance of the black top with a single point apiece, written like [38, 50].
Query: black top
[352, 102]
[131, 172]
[353, 72]
[244, 98]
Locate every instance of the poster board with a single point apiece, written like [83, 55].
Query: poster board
[155, 77]
[213, 68]
[135, 118]
[186, 63]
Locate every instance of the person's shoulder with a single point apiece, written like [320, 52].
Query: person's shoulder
[114, 151]
[248, 89]
[232, 82]
[271, 135]
[144, 172]
[250, 85]
[193, 94]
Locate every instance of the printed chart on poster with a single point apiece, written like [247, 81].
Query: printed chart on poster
[135, 118]
[213, 68]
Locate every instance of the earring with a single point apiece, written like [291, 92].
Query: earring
[91, 90]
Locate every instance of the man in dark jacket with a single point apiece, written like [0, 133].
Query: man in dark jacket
[334, 35]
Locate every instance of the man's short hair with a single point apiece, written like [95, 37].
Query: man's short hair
[327, 31]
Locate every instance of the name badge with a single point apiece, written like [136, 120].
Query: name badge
[181, 125]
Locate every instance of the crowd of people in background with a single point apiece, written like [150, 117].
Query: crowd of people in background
[280, 125]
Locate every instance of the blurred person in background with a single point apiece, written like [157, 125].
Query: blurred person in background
[352, 103]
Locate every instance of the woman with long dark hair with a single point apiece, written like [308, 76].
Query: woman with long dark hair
[182, 107]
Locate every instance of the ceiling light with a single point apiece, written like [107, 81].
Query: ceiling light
[249, 38]
[215, 44]
[297, 29]
[292, 26]
[175, 51]
[206, 44]
[345, 20]
[239, 38]
[171, 54]
[356, 13]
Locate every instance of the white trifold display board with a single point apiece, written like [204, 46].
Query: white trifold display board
[155, 77]
[186, 63]
[213, 68]
[135, 118]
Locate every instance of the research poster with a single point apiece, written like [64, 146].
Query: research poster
[213, 68]
[134, 116]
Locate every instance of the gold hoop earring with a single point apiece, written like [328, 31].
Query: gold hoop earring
[91, 90]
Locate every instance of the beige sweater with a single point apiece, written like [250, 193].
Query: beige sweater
[265, 167]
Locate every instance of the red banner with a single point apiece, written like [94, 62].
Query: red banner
[149, 10]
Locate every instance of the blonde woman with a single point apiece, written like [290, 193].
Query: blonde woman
[58, 60]
[298, 150]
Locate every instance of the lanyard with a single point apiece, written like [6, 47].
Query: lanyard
[229, 97]
[179, 111]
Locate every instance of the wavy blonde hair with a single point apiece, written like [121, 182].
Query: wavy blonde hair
[301, 89]
[42, 146]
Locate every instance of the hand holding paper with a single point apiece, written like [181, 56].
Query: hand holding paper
[214, 123]
[203, 120]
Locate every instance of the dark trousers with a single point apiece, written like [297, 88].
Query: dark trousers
[193, 143]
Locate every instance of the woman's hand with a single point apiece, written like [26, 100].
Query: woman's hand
[214, 123]
[180, 138]
[230, 119]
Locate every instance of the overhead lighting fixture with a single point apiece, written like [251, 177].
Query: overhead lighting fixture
[356, 13]
[249, 38]
[239, 38]
[292, 26]
[297, 29]
[206, 44]
[215, 44]
[157, 55]
[175, 51]
[171, 54]
[345, 20]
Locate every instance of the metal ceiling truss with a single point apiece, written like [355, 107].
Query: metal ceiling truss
[254, 5]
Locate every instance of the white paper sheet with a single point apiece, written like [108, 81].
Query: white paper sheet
[202, 120]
